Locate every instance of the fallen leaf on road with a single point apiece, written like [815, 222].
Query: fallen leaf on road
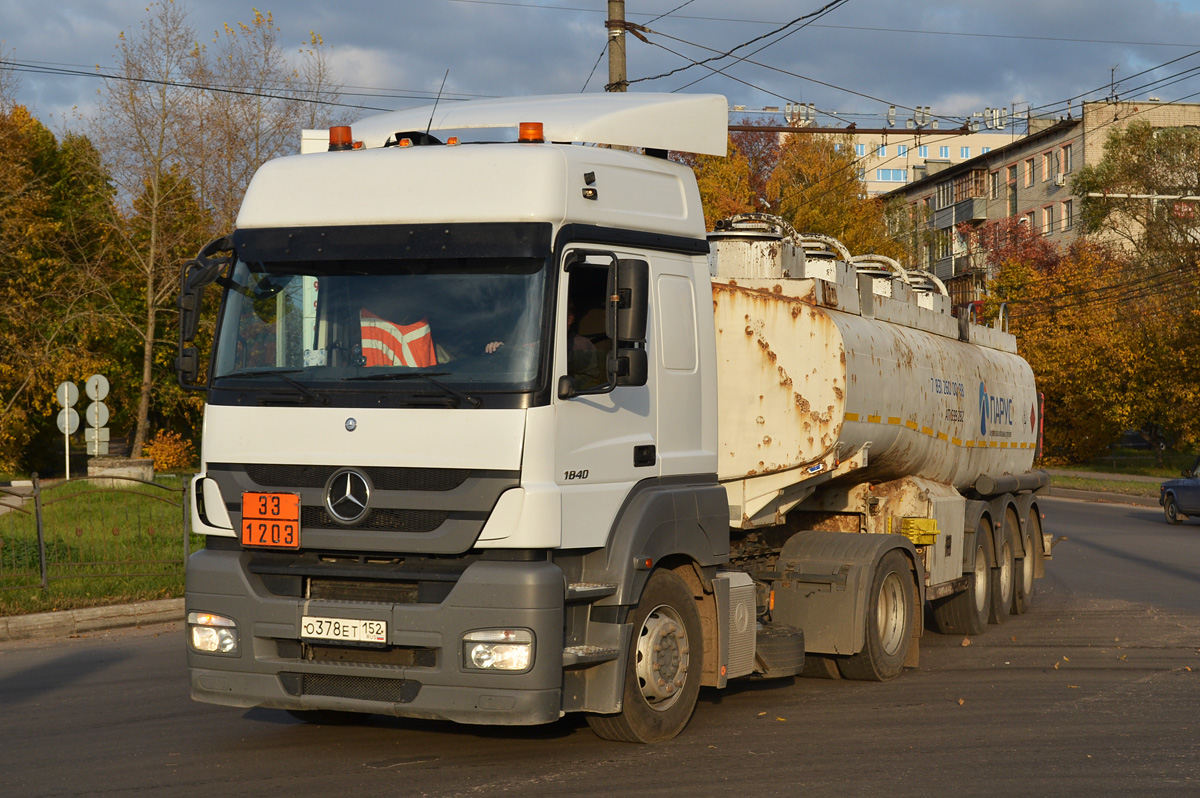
[966, 642]
[1066, 659]
[1013, 638]
[1056, 666]
[961, 702]
[1073, 686]
[781, 720]
[760, 714]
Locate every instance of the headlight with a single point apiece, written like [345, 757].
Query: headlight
[498, 650]
[212, 634]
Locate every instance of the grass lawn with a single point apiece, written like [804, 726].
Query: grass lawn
[104, 545]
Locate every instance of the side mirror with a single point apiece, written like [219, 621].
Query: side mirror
[194, 276]
[628, 367]
[566, 387]
[630, 284]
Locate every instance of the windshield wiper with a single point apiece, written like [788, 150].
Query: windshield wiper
[428, 376]
[282, 374]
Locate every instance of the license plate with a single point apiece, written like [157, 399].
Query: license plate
[271, 519]
[352, 630]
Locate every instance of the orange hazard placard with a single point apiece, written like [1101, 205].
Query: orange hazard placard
[271, 519]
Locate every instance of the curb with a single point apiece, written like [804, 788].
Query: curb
[92, 619]
[1101, 497]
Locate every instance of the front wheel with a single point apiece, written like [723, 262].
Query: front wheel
[662, 675]
[889, 623]
[1171, 510]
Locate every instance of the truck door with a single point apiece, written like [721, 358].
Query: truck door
[604, 442]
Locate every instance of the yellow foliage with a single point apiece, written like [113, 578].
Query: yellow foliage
[170, 451]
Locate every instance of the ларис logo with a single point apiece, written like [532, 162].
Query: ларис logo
[994, 411]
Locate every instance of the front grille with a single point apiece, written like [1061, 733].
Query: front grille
[396, 657]
[358, 590]
[397, 691]
[315, 476]
[381, 518]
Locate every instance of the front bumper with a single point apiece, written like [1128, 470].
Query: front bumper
[273, 668]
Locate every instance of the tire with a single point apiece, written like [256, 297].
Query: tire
[1023, 570]
[667, 642]
[1034, 526]
[966, 613]
[1171, 510]
[889, 625]
[1003, 580]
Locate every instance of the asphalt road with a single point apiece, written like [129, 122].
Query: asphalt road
[1095, 692]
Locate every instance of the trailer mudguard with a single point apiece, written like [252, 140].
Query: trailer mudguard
[823, 582]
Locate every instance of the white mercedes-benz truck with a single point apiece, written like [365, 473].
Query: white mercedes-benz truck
[495, 431]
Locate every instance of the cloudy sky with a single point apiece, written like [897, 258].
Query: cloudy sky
[857, 58]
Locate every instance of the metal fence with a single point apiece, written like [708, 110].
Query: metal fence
[91, 529]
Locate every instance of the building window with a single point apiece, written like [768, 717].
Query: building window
[862, 174]
[1028, 172]
[994, 185]
[902, 150]
[892, 175]
[1047, 160]
[923, 151]
[942, 244]
[1012, 199]
[881, 150]
[1065, 159]
[943, 152]
[945, 195]
[964, 152]
[985, 150]
[1068, 215]
[1031, 220]
[837, 147]
[860, 150]
[1047, 220]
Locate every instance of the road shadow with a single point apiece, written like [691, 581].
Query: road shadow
[35, 681]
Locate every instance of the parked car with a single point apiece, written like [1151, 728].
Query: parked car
[1181, 497]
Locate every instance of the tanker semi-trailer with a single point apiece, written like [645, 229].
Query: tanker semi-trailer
[494, 433]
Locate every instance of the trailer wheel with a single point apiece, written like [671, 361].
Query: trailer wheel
[889, 623]
[1023, 566]
[1171, 510]
[1034, 526]
[966, 613]
[662, 676]
[1003, 580]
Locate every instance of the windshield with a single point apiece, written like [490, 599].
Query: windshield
[469, 324]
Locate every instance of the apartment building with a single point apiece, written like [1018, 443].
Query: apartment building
[1028, 179]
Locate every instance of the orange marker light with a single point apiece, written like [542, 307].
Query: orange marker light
[404, 143]
[452, 141]
[340, 138]
[530, 133]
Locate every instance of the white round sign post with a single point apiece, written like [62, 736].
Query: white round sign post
[97, 415]
[67, 394]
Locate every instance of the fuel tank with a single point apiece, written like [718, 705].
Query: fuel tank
[826, 370]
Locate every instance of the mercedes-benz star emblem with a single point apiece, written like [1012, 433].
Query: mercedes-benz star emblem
[347, 496]
[351, 425]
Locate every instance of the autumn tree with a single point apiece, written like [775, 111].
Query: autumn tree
[49, 327]
[816, 187]
[257, 101]
[1141, 179]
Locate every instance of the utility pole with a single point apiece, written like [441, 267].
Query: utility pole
[616, 46]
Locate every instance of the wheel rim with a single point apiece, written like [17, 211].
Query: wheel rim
[1171, 509]
[1027, 567]
[981, 577]
[891, 614]
[1006, 569]
[662, 657]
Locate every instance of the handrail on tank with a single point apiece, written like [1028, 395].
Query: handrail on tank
[864, 263]
[928, 281]
[1001, 318]
[803, 241]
